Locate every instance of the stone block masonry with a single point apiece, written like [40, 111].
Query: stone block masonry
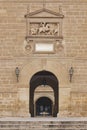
[14, 96]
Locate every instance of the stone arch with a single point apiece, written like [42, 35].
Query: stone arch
[46, 104]
[44, 95]
[51, 80]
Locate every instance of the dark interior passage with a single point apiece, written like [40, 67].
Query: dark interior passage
[43, 107]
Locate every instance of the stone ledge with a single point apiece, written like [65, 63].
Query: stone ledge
[43, 119]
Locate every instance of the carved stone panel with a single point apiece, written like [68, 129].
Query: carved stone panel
[44, 28]
[43, 25]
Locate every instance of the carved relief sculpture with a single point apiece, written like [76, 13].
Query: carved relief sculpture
[43, 25]
[44, 29]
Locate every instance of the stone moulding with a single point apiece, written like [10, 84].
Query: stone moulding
[55, 15]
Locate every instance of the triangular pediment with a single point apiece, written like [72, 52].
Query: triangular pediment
[44, 13]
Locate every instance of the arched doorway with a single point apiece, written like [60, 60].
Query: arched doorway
[43, 78]
[44, 107]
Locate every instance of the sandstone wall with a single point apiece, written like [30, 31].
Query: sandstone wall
[14, 97]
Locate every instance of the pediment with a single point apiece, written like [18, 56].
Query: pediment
[44, 13]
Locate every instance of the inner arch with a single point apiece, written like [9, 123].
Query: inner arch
[44, 107]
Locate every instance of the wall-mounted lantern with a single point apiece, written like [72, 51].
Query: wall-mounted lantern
[17, 73]
[71, 70]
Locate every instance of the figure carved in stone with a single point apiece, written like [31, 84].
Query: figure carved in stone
[34, 31]
[44, 27]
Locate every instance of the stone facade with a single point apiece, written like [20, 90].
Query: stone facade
[14, 96]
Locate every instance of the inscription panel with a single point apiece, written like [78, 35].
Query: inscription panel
[44, 47]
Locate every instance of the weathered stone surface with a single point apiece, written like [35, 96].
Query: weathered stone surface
[14, 96]
[44, 124]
